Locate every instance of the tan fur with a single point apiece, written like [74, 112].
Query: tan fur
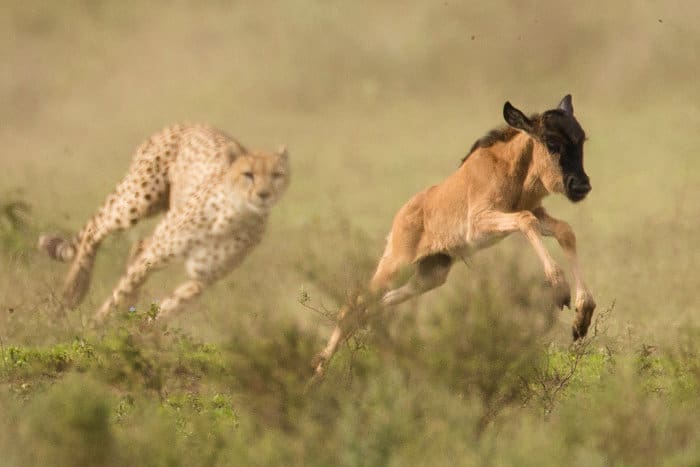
[496, 191]
[217, 194]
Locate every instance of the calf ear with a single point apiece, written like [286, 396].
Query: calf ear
[516, 118]
[566, 105]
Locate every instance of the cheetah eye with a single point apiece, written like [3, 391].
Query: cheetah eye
[248, 175]
[277, 175]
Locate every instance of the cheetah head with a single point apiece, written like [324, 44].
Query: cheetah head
[261, 177]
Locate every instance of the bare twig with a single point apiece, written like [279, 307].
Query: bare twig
[305, 301]
[2, 351]
[601, 319]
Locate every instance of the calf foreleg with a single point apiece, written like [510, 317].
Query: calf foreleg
[567, 240]
[494, 222]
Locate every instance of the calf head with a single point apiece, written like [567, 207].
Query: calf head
[558, 151]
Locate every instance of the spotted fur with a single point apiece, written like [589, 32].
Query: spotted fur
[216, 195]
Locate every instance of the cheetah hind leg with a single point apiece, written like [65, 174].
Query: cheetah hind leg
[64, 250]
[80, 254]
[77, 280]
[134, 199]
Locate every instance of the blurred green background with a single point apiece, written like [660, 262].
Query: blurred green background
[376, 100]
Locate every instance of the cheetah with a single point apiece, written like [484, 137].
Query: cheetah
[216, 195]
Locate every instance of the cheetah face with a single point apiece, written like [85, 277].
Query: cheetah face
[261, 177]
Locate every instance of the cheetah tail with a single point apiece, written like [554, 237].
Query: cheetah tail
[78, 278]
[57, 247]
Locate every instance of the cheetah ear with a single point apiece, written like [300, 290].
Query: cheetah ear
[238, 148]
[282, 151]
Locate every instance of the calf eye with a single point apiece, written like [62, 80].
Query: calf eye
[553, 147]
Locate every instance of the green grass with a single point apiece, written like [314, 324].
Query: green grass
[452, 395]
[375, 103]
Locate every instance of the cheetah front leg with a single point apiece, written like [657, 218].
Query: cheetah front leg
[183, 294]
[154, 253]
[130, 283]
[205, 265]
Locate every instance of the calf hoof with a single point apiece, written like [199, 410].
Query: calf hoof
[560, 288]
[562, 294]
[562, 298]
[318, 363]
[584, 313]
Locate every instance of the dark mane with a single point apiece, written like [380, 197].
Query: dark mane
[497, 135]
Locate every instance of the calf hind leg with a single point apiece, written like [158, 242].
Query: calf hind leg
[386, 270]
[431, 272]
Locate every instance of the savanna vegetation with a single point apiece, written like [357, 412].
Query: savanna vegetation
[375, 102]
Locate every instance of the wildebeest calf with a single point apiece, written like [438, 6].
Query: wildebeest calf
[497, 190]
